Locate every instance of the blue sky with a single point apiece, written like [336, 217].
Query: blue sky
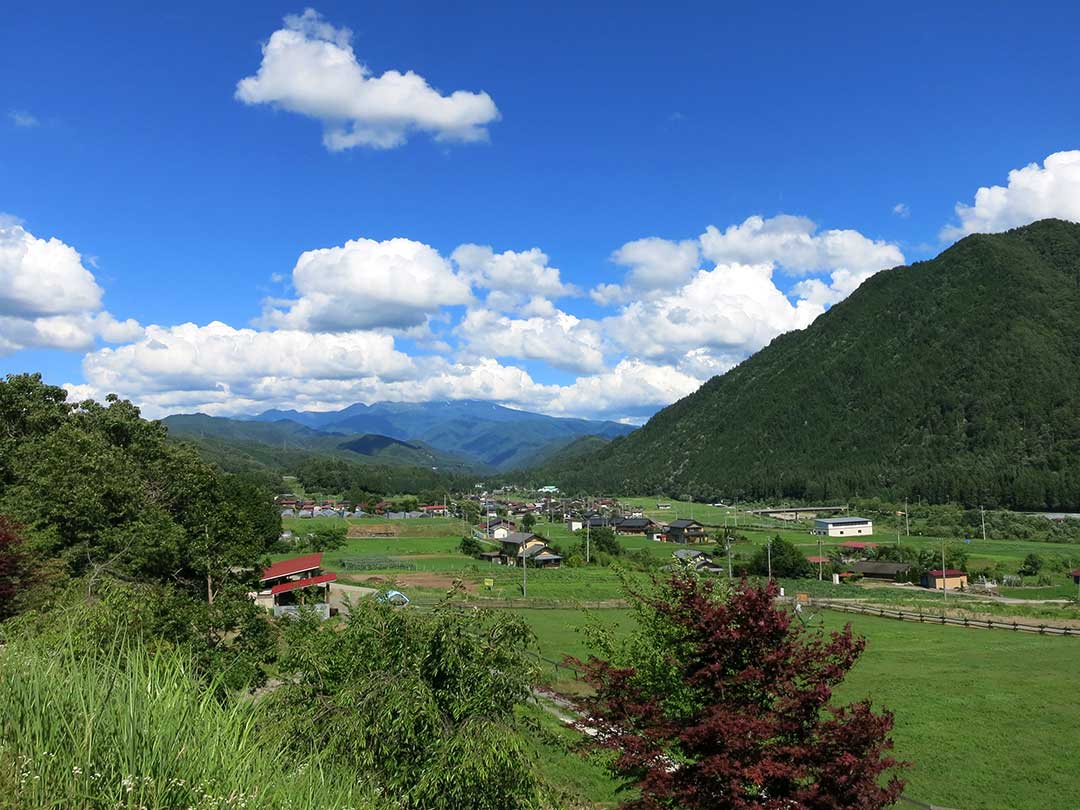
[821, 145]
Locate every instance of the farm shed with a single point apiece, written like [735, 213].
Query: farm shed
[289, 584]
[843, 527]
[951, 579]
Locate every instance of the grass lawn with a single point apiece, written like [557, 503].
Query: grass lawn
[988, 717]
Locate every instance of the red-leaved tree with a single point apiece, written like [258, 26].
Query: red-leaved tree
[721, 701]
[13, 567]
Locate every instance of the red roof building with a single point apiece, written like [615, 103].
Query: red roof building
[286, 584]
[296, 565]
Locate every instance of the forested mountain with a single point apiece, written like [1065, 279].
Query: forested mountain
[486, 434]
[277, 443]
[955, 379]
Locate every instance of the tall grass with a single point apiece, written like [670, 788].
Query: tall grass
[136, 729]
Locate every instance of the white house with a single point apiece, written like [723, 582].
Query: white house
[843, 527]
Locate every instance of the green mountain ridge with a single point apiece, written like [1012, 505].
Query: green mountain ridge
[954, 379]
[282, 442]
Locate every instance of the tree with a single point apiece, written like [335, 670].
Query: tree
[787, 560]
[721, 701]
[327, 537]
[1031, 566]
[470, 510]
[528, 520]
[422, 704]
[14, 568]
[470, 546]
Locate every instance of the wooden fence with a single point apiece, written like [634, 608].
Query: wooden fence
[957, 621]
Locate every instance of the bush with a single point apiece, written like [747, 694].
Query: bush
[470, 546]
[422, 703]
[787, 561]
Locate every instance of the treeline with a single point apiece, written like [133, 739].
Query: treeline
[357, 482]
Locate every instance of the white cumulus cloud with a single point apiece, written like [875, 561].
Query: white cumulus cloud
[1033, 192]
[655, 264]
[512, 277]
[795, 246]
[48, 298]
[365, 284]
[558, 338]
[309, 67]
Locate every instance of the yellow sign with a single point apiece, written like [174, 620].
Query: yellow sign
[489, 583]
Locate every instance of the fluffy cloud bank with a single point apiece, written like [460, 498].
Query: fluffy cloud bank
[48, 299]
[365, 284]
[703, 321]
[676, 324]
[309, 67]
[1033, 192]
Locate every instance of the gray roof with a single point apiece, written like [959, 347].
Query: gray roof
[843, 521]
[687, 554]
[517, 538]
[683, 524]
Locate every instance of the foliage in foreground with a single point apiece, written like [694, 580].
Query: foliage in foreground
[423, 703]
[721, 702]
[129, 727]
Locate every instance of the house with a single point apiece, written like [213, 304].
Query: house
[633, 525]
[843, 527]
[872, 569]
[696, 559]
[949, 579]
[435, 510]
[1076, 576]
[686, 531]
[534, 550]
[574, 524]
[289, 584]
[549, 490]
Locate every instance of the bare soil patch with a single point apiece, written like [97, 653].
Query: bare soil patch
[375, 530]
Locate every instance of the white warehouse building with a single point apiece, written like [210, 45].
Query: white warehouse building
[843, 527]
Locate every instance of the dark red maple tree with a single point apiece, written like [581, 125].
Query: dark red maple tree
[13, 567]
[722, 701]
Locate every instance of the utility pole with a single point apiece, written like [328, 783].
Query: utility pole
[736, 513]
[588, 521]
[907, 520]
[819, 570]
[982, 514]
[768, 549]
[727, 548]
[944, 578]
[524, 574]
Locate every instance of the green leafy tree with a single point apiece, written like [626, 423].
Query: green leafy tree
[471, 511]
[420, 703]
[14, 569]
[1031, 566]
[327, 537]
[528, 521]
[787, 560]
[470, 546]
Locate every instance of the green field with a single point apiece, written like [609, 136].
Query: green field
[985, 716]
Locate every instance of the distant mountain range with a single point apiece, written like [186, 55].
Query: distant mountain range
[461, 434]
[952, 380]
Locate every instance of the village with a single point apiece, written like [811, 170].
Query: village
[543, 531]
